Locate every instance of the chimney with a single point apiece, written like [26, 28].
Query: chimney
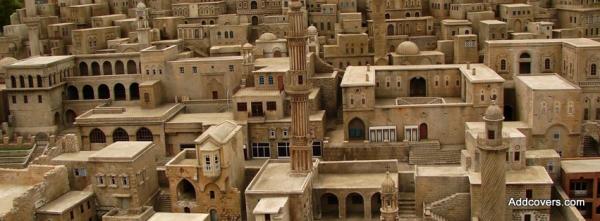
[474, 72]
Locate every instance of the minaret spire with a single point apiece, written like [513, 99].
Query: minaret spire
[298, 87]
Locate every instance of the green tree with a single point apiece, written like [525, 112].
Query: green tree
[7, 7]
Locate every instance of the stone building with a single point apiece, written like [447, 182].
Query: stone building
[209, 179]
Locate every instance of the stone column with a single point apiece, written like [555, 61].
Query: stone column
[34, 39]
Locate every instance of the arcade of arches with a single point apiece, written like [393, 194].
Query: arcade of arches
[353, 205]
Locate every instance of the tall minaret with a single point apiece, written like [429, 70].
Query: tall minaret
[297, 86]
[493, 177]
[389, 199]
[379, 31]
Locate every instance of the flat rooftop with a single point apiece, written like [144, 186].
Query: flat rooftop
[121, 150]
[444, 171]
[547, 82]
[350, 180]
[529, 175]
[208, 59]
[179, 216]
[580, 166]
[510, 130]
[39, 61]
[129, 113]
[79, 156]
[274, 177]
[270, 205]
[577, 42]
[536, 154]
[8, 192]
[65, 202]
[204, 118]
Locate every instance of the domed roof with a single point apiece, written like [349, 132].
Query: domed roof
[493, 112]
[407, 48]
[141, 5]
[247, 45]
[267, 37]
[312, 30]
[388, 185]
[6, 61]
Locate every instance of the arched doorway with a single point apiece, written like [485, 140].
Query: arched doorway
[107, 68]
[356, 129]
[70, 116]
[57, 121]
[134, 91]
[131, 67]
[120, 92]
[276, 53]
[387, 16]
[418, 87]
[41, 138]
[390, 29]
[97, 136]
[95, 68]
[213, 215]
[187, 210]
[83, 69]
[120, 135]
[423, 131]
[88, 92]
[525, 63]
[72, 93]
[330, 206]
[375, 205]
[103, 92]
[517, 26]
[186, 191]
[355, 206]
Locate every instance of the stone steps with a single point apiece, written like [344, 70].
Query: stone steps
[164, 202]
[406, 206]
[427, 156]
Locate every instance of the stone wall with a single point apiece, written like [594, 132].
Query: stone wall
[427, 189]
[48, 183]
[453, 207]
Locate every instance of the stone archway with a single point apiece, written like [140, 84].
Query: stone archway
[186, 191]
[330, 206]
[355, 206]
[423, 131]
[356, 129]
[376, 205]
[418, 87]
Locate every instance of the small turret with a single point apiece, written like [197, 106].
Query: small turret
[389, 199]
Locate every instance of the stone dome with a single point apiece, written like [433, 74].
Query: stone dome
[6, 61]
[267, 37]
[493, 112]
[312, 30]
[388, 185]
[407, 48]
[141, 5]
[247, 45]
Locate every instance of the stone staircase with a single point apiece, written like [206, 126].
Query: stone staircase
[163, 204]
[15, 158]
[406, 206]
[449, 206]
[431, 152]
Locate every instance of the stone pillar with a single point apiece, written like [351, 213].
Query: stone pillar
[377, 8]
[30, 8]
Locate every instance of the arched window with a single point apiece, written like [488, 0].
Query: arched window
[547, 63]
[30, 81]
[13, 82]
[131, 67]
[134, 91]
[230, 34]
[503, 65]
[88, 92]
[103, 92]
[120, 135]
[120, 92]
[593, 69]
[144, 134]
[21, 81]
[40, 81]
[253, 5]
[83, 69]
[97, 136]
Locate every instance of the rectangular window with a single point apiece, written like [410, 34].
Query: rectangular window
[25, 100]
[14, 99]
[146, 98]
[491, 135]
[181, 70]
[261, 80]
[207, 166]
[242, 107]
[195, 69]
[231, 68]
[283, 149]
[39, 98]
[272, 133]
[528, 194]
[271, 106]
[125, 180]
[597, 113]
[260, 150]
[100, 180]
[517, 155]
